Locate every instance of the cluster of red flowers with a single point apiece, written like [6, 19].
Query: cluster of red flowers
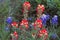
[37, 23]
[23, 22]
[28, 5]
[42, 32]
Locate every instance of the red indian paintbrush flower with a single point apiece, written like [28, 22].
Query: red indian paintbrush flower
[15, 34]
[38, 23]
[44, 33]
[25, 23]
[27, 5]
[15, 24]
[40, 7]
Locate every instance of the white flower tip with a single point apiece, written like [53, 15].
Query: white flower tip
[55, 16]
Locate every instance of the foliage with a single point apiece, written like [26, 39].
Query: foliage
[14, 8]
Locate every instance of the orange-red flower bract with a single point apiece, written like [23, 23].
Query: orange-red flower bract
[43, 32]
[14, 24]
[38, 23]
[15, 34]
[41, 7]
[27, 4]
[25, 23]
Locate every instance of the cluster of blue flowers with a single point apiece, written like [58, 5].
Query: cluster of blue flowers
[54, 36]
[9, 20]
[45, 17]
[54, 20]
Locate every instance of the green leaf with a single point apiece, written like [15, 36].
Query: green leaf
[38, 1]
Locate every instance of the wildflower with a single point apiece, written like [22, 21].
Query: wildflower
[9, 20]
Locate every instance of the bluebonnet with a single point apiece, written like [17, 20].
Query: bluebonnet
[47, 17]
[31, 26]
[44, 18]
[30, 18]
[7, 28]
[54, 20]
[9, 20]
[54, 35]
